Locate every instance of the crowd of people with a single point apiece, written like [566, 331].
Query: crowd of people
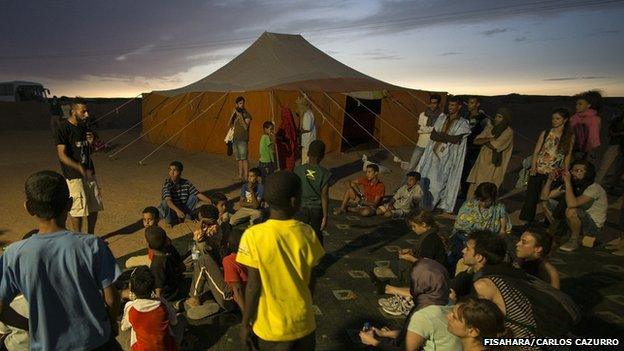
[63, 291]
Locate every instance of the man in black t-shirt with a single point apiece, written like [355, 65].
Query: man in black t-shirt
[74, 142]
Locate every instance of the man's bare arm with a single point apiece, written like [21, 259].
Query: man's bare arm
[67, 161]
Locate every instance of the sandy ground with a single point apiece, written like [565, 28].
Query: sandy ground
[127, 187]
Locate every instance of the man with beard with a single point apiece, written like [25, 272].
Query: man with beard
[426, 120]
[441, 164]
[478, 121]
[580, 201]
[74, 142]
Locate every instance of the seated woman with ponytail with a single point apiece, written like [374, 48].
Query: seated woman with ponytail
[473, 320]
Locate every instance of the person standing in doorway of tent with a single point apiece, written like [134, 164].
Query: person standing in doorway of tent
[307, 127]
[286, 141]
[441, 164]
[496, 146]
[74, 143]
[240, 121]
[426, 120]
[478, 121]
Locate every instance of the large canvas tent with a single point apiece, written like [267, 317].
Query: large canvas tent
[272, 73]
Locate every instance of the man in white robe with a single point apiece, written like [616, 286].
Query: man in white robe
[441, 165]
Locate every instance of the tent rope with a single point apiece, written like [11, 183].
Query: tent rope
[116, 109]
[150, 115]
[364, 129]
[324, 117]
[398, 103]
[182, 129]
[154, 127]
[386, 122]
[417, 98]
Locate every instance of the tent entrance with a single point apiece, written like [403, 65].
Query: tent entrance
[354, 133]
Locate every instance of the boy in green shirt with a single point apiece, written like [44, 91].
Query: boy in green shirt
[314, 189]
[267, 151]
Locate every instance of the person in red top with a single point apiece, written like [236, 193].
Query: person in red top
[364, 195]
[149, 318]
[234, 273]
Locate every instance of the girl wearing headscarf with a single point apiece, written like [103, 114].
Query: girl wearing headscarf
[286, 140]
[491, 164]
[426, 325]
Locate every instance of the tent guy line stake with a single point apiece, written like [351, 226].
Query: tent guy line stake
[154, 127]
[364, 129]
[386, 122]
[181, 129]
[323, 115]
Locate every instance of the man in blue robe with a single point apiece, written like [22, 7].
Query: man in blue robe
[442, 163]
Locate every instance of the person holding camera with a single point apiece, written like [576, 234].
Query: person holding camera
[74, 142]
[580, 201]
[552, 152]
[240, 122]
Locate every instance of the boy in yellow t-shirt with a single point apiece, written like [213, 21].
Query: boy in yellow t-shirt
[280, 255]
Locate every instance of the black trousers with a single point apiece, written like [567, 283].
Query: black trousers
[534, 188]
[306, 343]
[313, 217]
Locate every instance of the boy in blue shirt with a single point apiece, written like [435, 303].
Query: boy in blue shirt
[66, 277]
[250, 202]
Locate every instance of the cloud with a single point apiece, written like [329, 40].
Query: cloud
[573, 78]
[601, 33]
[521, 39]
[491, 32]
[142, 50]
[450, 53]
[378, 55]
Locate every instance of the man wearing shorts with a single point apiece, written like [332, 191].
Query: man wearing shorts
[585, 203]
[74, 142]
[364, 195]
[240, 121]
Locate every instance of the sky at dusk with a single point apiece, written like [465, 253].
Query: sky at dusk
[122, 48]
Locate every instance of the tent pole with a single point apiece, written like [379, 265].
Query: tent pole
[180, 131]
[154, 127]
[386, 122]
[323, 115]
[273, 120]
[358, 123]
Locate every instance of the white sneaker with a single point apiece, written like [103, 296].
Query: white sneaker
[570, 246]
[389, 302]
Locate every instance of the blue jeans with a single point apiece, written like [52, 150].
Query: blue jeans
[170, 216]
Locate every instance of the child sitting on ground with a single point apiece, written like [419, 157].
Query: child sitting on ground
[365, 201]
[151, 218]
[234, 273]
[206, 274]
[406, 198]
[167, 268]
[221, 202]
[150, 318]
[250, 202]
